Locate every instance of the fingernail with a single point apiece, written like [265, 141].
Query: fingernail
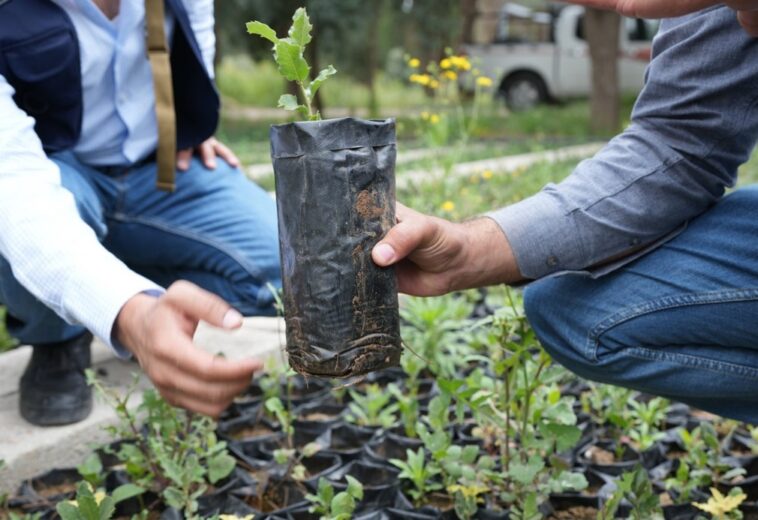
[385, 253]
[232, 319]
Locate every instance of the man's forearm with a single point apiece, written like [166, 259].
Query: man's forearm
[695, 122]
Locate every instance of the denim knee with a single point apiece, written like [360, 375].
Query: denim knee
[555, 310]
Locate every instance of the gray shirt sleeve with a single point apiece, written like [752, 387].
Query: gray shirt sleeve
[694, 124]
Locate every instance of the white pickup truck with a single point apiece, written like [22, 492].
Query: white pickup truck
[541, 55]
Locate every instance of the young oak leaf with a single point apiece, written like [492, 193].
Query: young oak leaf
[289, 58]
[300, 32]
[322, 76]
[262, 30]
[290, 102]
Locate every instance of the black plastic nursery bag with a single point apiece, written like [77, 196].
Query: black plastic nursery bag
[335, 187]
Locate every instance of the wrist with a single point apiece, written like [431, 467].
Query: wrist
[487, 257]
[129, 326]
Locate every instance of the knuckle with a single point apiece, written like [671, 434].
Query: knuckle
[178, 286]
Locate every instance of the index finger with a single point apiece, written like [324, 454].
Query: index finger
[196, 362]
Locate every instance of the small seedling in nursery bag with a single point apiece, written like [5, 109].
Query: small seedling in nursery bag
[335, 190]
[336, 507]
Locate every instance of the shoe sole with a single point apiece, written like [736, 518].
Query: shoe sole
[57, 416]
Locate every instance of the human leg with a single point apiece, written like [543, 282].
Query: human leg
[679, 322]
[217, 230]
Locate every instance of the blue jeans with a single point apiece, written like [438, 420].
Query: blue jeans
[680, 322]
[218, 230]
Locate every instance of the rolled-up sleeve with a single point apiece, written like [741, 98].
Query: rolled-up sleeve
[694, 124]
[51, 250]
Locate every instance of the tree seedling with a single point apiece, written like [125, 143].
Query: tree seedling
[372, 408]
[290, 59]
[175, 453]
[634, 487]
[724, 507]
[336, 507]
[420, 473]
[96, 505]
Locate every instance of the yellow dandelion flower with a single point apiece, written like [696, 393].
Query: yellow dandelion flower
[421, 79]
[414, 63]
[460, 62]
[446, 63]
[484, 81]
[448, 206]
[434, 119]
[452, 76]
[487, 175]
[434, 84]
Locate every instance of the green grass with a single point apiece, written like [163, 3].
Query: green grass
[748, 173]
[475, 194]
[259, 84]
[6, 342]
[248, 139]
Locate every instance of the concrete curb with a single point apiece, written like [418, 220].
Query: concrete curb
[497, 164]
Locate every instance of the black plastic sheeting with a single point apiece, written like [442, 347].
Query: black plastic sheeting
[335, 186]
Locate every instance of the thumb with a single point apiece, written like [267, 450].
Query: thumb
[183, 158]
[412, 232]
[202, 305]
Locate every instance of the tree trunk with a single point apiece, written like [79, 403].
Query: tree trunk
[372, 59]
[602, 31]
[468, 14]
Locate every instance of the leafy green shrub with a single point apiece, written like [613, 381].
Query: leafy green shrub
[175, 453]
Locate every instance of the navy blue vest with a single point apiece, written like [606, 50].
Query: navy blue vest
[39, 57]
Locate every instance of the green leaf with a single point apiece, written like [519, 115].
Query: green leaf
[91, 469]
[342, 504]
[565, 436]
[526, 473]
[354, 487]
[126, 492]
[566, 481]
[174, 497]
[289, 102]
[291, 63]
[325, 491]
[106, 509]
[300, 32]
[220, 467]
[262, 30]
[322, 76]
[68, 511]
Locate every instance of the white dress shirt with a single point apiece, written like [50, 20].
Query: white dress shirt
[52, 252]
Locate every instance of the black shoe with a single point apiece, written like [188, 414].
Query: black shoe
[54, 388]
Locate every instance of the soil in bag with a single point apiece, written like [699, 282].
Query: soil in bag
[335, 189]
